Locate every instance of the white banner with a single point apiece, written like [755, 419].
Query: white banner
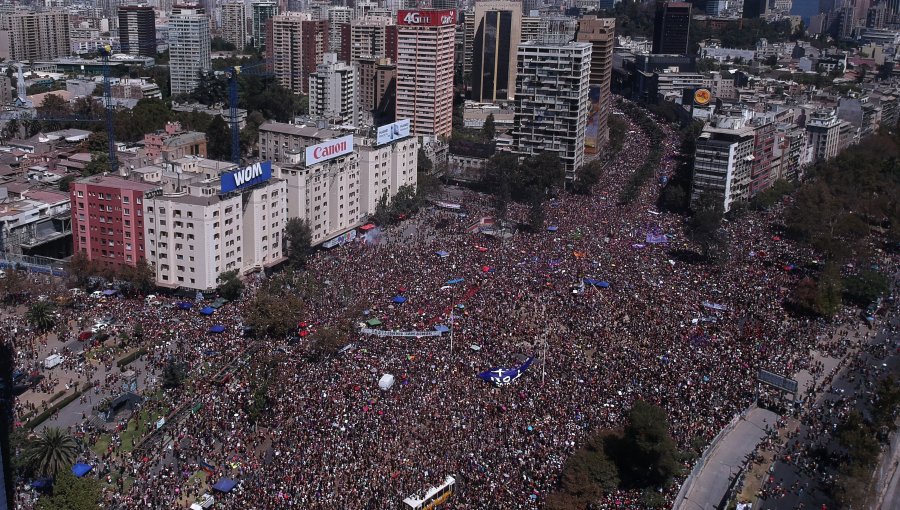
[381, 332]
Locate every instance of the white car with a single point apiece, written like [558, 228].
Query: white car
[205, 501]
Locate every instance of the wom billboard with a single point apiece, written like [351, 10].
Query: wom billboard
[329, 150]
[245, 177]
[393, 131]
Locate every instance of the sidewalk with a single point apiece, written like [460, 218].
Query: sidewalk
[724, 459]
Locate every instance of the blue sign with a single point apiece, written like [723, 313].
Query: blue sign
[504, 376]
[256, 173]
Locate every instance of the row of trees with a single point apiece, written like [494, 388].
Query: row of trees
[643, 456]
[650, 127]
[51, 454]
[529, 182]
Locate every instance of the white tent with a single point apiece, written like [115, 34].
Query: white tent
[386, 382]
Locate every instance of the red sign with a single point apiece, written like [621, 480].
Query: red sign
[426, 18]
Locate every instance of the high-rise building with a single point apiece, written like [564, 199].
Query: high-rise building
[262, 10]
[234, 23]
[298, 44]
[376, 80]
[552, 99]
[364, 38]
[332, 91]
[39, 35]
[723, 159]
[188, 48]
[425, 40]
[671, 28]
[823, 132]
[716, 7]
[755, 8]
[498, 31]
[337, 18]
[600, 32]
[108, 220]
[137, 30]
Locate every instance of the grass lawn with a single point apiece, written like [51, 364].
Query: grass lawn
[102, 445]
[189, 483]
[136, 427]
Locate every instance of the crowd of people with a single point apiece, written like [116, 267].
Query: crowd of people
[683, 335]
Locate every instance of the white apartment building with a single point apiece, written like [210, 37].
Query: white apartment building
[334, 181]
[368, 38]
[723, 161]
[188, 48]
[234, 23]
[823, 131]
[195, 229]
[332, 91]
[425, 54]
[552, 99]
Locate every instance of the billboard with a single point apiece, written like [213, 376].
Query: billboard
[344, 238]
[426, 18]
[702, 96]
[592, 134]
[329, 150]
[393, 131]
[245, 177]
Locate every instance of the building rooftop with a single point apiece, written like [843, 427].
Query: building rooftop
[302, 131]
[112, 181]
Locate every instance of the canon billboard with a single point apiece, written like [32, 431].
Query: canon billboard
[426, 18]
[328, 150]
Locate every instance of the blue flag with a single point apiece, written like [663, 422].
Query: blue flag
[504, 376]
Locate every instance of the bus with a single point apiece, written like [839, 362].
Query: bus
[433, 498]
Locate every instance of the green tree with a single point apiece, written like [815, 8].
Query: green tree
[65, 182]
[218, 139]
[586, 178]
[138, 331]
[71, 493]
[425, 166]
[99, 164]
[230, 285]
[650, 458]
[81, 269]
[219, 44]
[828, 299]
[52, 452]
[866, 287]
[324, 343]
[298, 237]
[536, 214]
[141, 276]
[41, 316]
[277, 308]
[489, 130]
[704, 226]
[210, 89]
[173, 374]
[382, 214]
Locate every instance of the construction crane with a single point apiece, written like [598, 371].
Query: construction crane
[105, 53]
[258, 69]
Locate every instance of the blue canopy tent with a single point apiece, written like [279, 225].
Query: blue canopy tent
[224, 485]
[596, 283]
[441, 328]
[207, 310]
[399, 299]
[217, 328]
[110, 292]
[184, 305]
[455, 281]
[552, 229]
[81, 469]
[442, 253]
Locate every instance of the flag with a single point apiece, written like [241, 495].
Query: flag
[657, 238]
[505, 376]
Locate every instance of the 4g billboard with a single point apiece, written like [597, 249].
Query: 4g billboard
[426, 17]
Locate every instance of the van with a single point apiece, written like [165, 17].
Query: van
[205, 501]
[52, 361]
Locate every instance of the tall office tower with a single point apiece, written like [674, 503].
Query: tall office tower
[716, 7]
[107, 8]
[528, 6]
[337, 17]
[671, 28]
[533, 28]
[332, 91]
[39, 35]
[551, 99]
[376, 80]
[298, 44]
[262, 11]
[425, 41]
[498, 31]
[601, 33]
[188, 47]
[876, 16]
[366, 37]
[137, 30]
[755, 8]
[234, 23]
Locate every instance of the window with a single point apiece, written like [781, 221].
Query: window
[125, 199]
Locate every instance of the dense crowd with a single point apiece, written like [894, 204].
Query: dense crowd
[330, 438]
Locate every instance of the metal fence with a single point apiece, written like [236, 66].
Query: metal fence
[33, 264]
